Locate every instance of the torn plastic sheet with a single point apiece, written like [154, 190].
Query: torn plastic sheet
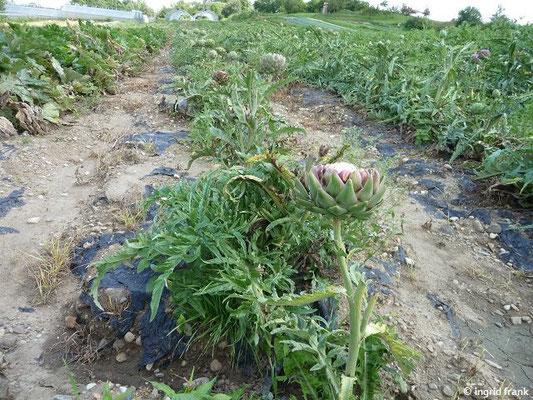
[446, 309]
[161, 140]
[12, 200]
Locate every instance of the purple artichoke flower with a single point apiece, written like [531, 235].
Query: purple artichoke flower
[474, 57]
[485, 52]
[341, 189]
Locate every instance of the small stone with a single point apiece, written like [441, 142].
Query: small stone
[121, 357]
[123, 389]
[119, 344]
[448, 167]
[526, 319]
[91, 385]
[63, 397]
[18, 329]
[138, 341]
[494, 228]
[431, 349]
[478, 226]
[409, 261]
[493, 364]
[454, 219]
[222, 345]
[507, 307]
[129, 337]
[149, 366]
[33, 220]
[159, 374]
[155, 393]
[70, 322]
[8, 341]
[433, 386]
[447, 391]
[493, 236]
[183, 363]
[215, 365]
[454, 377]
[516, 320]
[514, 307]
[455, 282]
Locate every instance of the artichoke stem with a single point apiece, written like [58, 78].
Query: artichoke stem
[355, 302]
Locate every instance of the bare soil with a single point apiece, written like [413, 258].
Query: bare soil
[65, 176]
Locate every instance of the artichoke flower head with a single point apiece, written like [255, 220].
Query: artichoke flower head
[340, 189]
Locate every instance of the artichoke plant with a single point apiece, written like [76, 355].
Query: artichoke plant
[212, 54]
[341, 189]
[233, 55]
[272, 63]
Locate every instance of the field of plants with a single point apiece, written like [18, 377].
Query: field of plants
[263, 251]
[44, 70]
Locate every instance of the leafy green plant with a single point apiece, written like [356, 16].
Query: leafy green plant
[202, 392]
[342, 192]
[44, 69]
[466, 105]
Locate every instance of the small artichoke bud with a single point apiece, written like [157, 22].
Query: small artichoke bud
[221, 77]
[272, 63]
[233, 55]
[323, 150]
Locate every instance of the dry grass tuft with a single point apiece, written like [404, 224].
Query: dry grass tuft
[51, 265]
[128, 216]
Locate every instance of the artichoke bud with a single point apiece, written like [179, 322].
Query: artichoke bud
[340, 189]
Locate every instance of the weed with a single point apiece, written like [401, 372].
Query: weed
[129, 216]
[50, 267]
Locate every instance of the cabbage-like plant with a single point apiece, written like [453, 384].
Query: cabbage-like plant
[233, 55]
[272, 63]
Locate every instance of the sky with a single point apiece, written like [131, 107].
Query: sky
[521, 10]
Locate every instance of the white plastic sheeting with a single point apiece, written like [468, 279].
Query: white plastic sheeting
[210, 15]
[176, 15]
[70, 11]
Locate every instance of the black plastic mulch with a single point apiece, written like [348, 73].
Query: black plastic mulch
[12, 200]
[7, 149]
[156, 339]
[446, 309]
[160, 140]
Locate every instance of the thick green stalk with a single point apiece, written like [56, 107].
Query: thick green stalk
[355, 301]
[341, 258]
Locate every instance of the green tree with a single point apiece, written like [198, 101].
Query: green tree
[336, 5]
[217, 7]
[468, 15]
[268, 6]
[499, 17]
[232, 7]
[2, 4]
[314, 6]
[292, 6]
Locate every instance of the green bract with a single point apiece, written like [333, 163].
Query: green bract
[340, 189]
[272, 63]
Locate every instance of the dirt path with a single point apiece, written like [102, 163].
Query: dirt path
[448, 282]
[79, 179]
